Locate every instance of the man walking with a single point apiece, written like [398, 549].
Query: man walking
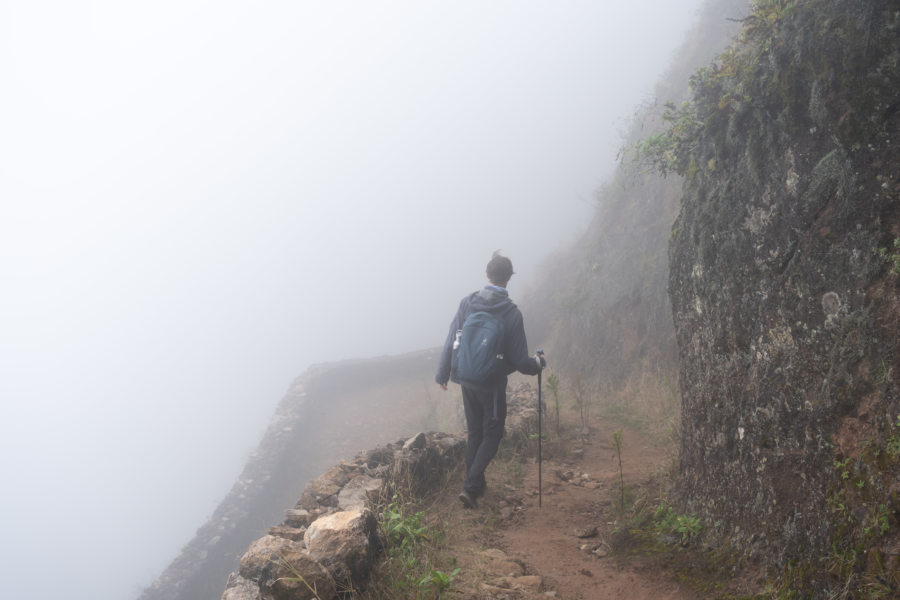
[485, 319]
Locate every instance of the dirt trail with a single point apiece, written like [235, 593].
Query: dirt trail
[578, 496]
[545, 537]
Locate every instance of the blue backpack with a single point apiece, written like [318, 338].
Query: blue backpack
[479, 348]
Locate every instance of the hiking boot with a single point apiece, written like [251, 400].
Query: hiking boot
[468, 500]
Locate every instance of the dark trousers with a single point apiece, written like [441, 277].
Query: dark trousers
[485, 420]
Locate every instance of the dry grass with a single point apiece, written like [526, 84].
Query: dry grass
[648, 402]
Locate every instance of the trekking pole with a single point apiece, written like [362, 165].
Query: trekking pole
[540, 354]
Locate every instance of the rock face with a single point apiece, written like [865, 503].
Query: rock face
[784, 287]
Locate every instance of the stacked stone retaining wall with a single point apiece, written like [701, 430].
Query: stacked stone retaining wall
[330, 540]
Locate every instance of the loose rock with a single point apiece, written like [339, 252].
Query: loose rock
[586, 532]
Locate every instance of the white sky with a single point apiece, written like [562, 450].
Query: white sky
[198, 199]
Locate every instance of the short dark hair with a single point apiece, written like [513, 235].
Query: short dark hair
[499, 269]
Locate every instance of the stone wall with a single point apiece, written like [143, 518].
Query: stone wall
[329, 541]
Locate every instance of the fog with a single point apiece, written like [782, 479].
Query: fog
[200, 199]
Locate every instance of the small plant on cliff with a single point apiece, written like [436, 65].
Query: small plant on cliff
[670, 151]
[841, 466]
[414, 566]
[438, 581]
[402, 531]
[670, 522]
[893, 443]
[891, 256]
[862, 522]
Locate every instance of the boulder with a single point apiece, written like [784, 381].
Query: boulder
[239, 588]
[298, 517]
[452, 447]
[345, 542]
[416, 442]
[324, 488]
[419, 468]
[283, 570]
[286, 531]
[358, 492]
[586, 532]
[498, 564]
[379, 456]
[529, 583]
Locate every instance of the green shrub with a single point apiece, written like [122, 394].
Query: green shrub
[670, 522]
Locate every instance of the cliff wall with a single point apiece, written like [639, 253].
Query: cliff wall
[784, 265]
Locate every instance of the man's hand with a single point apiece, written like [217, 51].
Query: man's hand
[539, 359]
[443, 386]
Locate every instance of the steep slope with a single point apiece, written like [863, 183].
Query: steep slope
[601, 307]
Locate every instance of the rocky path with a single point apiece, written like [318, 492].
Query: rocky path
[512, 548]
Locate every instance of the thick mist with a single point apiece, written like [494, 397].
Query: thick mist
[200, 199]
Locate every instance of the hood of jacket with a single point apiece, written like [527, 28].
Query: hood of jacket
[490, 299]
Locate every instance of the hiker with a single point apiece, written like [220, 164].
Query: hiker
[483, 377]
